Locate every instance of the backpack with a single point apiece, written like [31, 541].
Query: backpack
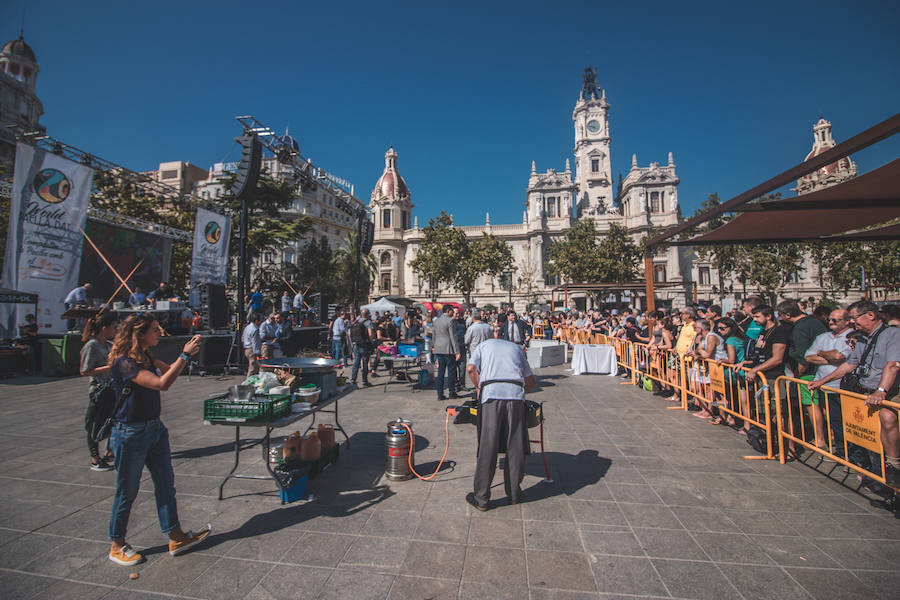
[358, 333]
[102, 409]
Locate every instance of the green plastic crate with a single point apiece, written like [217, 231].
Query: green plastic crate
[221, 408]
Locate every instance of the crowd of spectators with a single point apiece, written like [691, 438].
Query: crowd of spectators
[817, 346]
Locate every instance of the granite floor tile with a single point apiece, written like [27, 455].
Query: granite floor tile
[170, 575]
[552, 535]
[229, 579]
[421, 588]
[358, 585]
[434, 559]
[319, 549]
[515, 589]
[619, 574]
[501, 533]
[440, 527]
[644, 515]
[764, 583]
[793, 551]
[548, 509]
[382, 553]
[23, 585]
[863, 554]
[493, 565]
[669, 543]
[597, 512]
[732, 548]
[634, 493]
[689, 579]
[69, 590]
[611, 540]
[559, 570]
[828, 584]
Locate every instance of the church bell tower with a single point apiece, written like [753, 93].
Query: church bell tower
[593, 174]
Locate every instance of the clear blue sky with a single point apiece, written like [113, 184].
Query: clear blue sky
[469, 93]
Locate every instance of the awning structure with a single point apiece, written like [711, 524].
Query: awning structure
[864, 208]
[831, 214]
[8, 296]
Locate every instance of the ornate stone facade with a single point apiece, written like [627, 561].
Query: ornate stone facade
[554, 200]
[20, 108]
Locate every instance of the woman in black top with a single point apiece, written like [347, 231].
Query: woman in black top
[139, 437]
[95, 364]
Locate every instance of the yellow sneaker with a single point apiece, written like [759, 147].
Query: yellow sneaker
[191, 539]
[126, 556]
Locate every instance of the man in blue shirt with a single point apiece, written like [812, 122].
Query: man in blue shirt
[500, 371]
[256, 300]
[137, 298]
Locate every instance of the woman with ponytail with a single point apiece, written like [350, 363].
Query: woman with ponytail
[139, 437]
[95, 364]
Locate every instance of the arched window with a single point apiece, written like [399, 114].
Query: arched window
[385, 259]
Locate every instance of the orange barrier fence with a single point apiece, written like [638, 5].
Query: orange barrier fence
[834, 423]
[665, 367]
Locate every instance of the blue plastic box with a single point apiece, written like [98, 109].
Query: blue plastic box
[295, 492]
[412, 350]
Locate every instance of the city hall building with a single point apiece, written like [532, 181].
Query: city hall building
[554, 200]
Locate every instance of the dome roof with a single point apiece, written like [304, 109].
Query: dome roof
[390, 184]
[18, 47]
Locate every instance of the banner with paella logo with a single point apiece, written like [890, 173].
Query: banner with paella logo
[212, 232]
[47, 214]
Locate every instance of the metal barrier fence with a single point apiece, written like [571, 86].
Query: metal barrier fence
[664, 366]
[841, 426]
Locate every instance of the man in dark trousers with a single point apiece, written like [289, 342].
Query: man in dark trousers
[500, 371]
[514, 330]
[447, 351]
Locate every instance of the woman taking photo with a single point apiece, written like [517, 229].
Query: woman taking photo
[139, 437]
[95, 364]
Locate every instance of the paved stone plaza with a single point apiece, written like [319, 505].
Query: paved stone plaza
[644, 502]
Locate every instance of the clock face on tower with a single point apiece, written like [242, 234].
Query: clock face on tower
[593, 126]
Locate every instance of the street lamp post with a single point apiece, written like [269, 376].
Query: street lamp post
[508, 279]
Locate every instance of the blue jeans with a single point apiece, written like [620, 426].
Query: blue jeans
[337, 349]
[360, 354]
[136, 445]
[445, 362]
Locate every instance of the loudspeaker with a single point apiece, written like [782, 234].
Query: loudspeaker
[214, 307]
[214, 351]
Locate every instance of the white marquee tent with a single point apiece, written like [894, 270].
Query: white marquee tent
[384, 306]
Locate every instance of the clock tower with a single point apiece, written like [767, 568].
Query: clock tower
[593, 174]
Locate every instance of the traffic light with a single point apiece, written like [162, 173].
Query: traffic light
[368, 236]
[248, 168]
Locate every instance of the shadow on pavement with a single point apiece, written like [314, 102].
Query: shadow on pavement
[569, 472]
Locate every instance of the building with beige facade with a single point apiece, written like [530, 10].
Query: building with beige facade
[553, 201]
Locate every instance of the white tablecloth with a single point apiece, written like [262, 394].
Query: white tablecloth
[594, 358]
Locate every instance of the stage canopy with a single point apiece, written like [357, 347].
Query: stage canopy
[862, 208]
[385, 306]
[8, 296]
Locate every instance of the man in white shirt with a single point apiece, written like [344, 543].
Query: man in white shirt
[828, 351]
[501, 374]
[268, 337]
[286, 302]
[78, 296]
[478, 332]
[252, 343]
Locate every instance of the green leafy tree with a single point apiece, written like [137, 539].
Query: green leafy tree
[724, 258]
[841, 264]
[618, 256]
[447, 256]
[344, 272]
[575, 256]
[267, 231]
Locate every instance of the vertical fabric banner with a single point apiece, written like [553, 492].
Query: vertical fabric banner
[212, 232]
[47, 212]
